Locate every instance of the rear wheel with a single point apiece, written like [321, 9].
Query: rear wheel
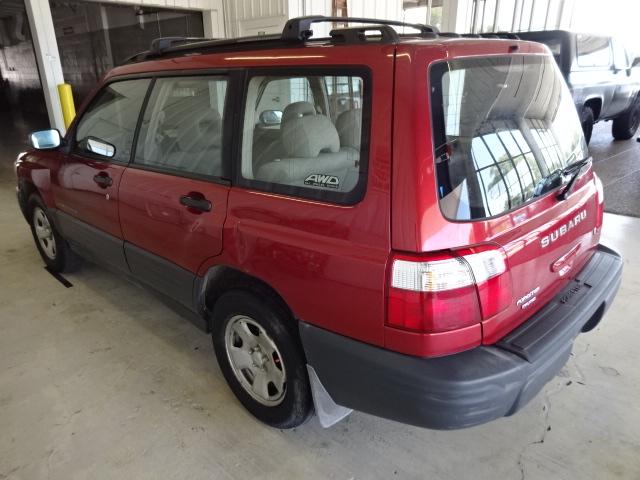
[625, 126]
[261, 358]
[587, 118]
[53, 249]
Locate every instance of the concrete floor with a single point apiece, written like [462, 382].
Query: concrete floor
[618, 165]
[101, 380]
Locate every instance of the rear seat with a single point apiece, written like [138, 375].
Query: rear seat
[349, 126]
[267, 143]
[297, 110]
[314, 158]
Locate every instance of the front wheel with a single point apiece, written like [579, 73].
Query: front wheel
[261, 358]
[625, 126]
[53, 249]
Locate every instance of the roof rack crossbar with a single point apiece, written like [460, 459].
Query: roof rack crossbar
[358, 34]
[299, 29]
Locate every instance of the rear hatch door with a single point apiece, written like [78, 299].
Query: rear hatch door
[506, 136]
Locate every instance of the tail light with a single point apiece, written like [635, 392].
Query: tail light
[448, 291]
[599, 199]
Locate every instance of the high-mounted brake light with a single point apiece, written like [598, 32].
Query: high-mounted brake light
[448, 291]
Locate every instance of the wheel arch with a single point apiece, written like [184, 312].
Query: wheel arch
[26, 188]
[595, 104]
[220, 279]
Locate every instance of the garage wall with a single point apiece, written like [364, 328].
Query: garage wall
[19, 77]
[255, 17]
[387, 9]
[212, 11]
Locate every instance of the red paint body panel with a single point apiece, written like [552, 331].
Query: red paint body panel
[152, 217]
[77, 194]
[328, 262]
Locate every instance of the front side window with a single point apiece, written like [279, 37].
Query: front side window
[306, 136]
[110, 121]
[501, 125]
[593, 51]
[181, 129]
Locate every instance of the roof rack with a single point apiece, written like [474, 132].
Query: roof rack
[160, 44]
[504, 35]
[299, 29]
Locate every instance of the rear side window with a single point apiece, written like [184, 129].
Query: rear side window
[112, 117]
[501, 126]
[593, 51]
[306, 136]
[181, 129]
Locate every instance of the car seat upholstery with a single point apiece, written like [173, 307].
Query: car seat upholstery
[313, 158]
[297, 110]
[349, 126]
[197, 147]
[309, 135]
[267, 144]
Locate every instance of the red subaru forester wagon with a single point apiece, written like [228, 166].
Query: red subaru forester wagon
[405, 225]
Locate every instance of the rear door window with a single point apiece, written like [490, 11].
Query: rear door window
[306, 136]
[501, 126]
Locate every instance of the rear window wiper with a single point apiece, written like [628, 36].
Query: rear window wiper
[574, 170]
[555, 179]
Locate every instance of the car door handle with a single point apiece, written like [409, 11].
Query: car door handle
[196, 202]
[103, 179]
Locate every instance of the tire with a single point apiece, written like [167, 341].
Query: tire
[625, 126]
[587, 118]
[54, 249]
[260, 355]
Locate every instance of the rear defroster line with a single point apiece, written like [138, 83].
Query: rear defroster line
[59, 277]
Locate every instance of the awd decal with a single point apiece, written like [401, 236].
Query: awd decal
[321, 180]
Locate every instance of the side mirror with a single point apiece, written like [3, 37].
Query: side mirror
[45, 139]
[98, 147]
[270, 117]
[636, 62]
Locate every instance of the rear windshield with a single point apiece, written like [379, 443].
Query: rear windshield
[502, 127]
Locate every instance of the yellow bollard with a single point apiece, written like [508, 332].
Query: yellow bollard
[66, 102]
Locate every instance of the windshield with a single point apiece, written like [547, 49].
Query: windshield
[502, 125]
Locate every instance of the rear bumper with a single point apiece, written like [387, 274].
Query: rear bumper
[471, 387]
